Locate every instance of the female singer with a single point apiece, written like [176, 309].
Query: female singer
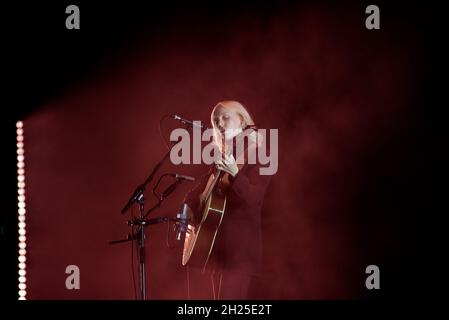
[236, 256]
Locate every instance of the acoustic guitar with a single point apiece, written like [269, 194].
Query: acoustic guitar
[199, 240]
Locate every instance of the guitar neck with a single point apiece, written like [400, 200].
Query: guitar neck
[217, 176]
[218, 173]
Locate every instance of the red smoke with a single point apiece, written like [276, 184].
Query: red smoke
[335, 91]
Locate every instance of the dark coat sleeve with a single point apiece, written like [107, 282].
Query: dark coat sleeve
[249, 185]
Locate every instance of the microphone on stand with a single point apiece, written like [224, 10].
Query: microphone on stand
[182, 177]
[189, 122]
[182, 223]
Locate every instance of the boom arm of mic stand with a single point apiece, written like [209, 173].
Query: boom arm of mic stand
[145, 223]
[140, 189]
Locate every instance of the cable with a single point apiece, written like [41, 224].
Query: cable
[167, 241]
[213, 286]
[167, 144]
[188, 282]
[219, 286]
[132, 256]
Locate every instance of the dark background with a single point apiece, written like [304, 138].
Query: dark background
[359, 114]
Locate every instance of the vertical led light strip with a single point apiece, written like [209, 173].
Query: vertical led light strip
[21, 209]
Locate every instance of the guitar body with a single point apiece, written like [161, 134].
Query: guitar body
[199, 240]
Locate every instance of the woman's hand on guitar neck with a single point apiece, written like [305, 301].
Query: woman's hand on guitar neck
[227, 164]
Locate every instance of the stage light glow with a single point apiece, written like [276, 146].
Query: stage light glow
[21, 209]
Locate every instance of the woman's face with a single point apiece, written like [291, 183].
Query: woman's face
[228, 122]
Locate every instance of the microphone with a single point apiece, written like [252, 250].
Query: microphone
[185, 121]
[182, 223]
[182, 177]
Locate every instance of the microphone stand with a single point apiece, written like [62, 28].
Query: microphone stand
[141, 246]
[138, 197]
[142, 222]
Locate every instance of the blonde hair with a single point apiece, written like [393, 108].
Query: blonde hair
[239, 109]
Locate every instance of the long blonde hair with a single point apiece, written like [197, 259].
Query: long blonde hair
[247, 121]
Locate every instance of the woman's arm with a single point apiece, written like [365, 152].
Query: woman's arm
[249, 185]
